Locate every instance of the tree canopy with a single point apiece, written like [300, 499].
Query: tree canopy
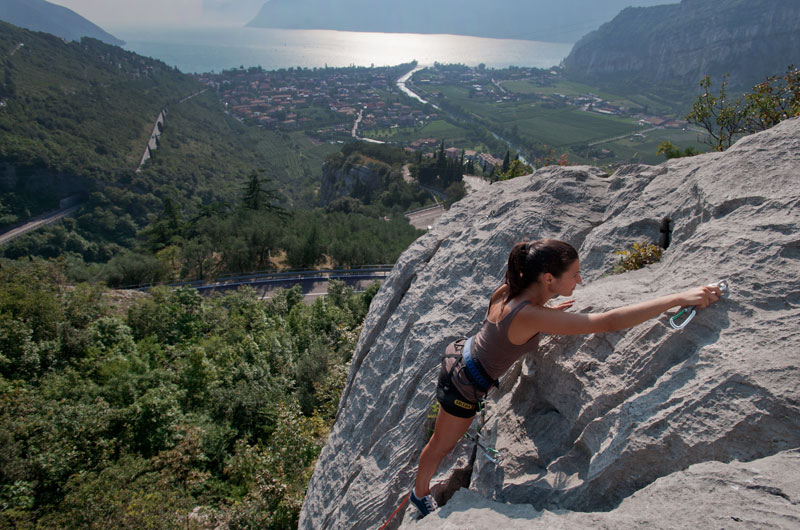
[165, 409]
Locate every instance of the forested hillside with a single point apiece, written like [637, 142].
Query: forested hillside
[75, 120]
[120, 409]
[165, 410]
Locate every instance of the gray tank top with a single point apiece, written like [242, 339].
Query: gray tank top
[494, 351]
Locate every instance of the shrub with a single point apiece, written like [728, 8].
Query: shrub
[638, 256]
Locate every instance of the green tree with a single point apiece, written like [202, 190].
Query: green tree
[516, 169]
[722, 118]
[725, 119]
[774, 100]
[255, 197]
[670, 150]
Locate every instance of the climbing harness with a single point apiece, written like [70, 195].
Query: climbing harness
[475, 371]
[690, 311]
[481, 380]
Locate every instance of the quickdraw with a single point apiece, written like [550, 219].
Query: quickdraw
[492, 454]
[690, 311]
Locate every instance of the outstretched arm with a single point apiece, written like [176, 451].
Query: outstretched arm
[556, 322]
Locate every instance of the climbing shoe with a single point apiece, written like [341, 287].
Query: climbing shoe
[425, 505]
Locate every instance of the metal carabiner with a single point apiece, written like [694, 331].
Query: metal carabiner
[722, 285]
[674, 320]
[491, 454]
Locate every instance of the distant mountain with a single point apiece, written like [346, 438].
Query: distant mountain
[38, 15]
[542, 20]
[680, 43]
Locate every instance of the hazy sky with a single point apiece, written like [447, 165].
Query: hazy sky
[110, 14]
[141, 13]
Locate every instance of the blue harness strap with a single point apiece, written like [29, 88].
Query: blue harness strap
[475, 371]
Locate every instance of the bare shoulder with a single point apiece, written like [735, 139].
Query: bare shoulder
[498, 293]
[496, 303]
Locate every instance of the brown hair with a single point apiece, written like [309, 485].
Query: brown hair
[530, 259]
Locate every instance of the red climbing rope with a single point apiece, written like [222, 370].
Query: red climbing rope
[395, 512]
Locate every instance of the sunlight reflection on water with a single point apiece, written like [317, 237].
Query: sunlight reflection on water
[203, 50]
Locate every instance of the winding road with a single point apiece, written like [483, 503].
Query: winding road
[37, 222]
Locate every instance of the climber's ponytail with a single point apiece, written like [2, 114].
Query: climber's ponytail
[528, 260]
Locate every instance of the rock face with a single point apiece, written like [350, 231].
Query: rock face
[344, 181]
[683, 42]
[763, 493]
[610, 422]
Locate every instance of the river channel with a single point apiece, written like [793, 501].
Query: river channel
[401, 84]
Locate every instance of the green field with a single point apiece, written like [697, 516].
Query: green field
[556, 127]
[439, 129]
[569, 129]
[564, 127]
[645, 150]
[654, 103]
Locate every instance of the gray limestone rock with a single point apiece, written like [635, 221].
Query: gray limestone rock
[763, 493]
[588, 421]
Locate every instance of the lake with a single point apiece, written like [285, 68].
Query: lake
[216, 49]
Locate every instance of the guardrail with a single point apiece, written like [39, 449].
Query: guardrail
[424, 209]
[233, 280]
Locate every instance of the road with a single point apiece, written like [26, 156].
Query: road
[193, 95]
[622, 136]
[422, 219]
[313, 283]
[37, 222]
[20, 45]
[354, 132]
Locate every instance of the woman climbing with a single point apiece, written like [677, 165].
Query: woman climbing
[518, 313]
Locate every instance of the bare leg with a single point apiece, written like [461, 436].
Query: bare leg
[448, 431]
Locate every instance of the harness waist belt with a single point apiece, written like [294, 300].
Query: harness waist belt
[475, 371]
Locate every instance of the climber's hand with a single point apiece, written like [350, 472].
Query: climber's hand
[562, 306]
[701, 297]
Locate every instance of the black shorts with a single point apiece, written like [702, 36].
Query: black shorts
[451, 399]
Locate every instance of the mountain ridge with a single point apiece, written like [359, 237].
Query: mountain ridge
[681, 43]
[566, 21]
[39, 15]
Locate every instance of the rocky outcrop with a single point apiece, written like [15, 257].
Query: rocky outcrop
[611, 422]
[347, 180]
[681, 43]
[758, 494]
[26, 178]
[153, 142]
